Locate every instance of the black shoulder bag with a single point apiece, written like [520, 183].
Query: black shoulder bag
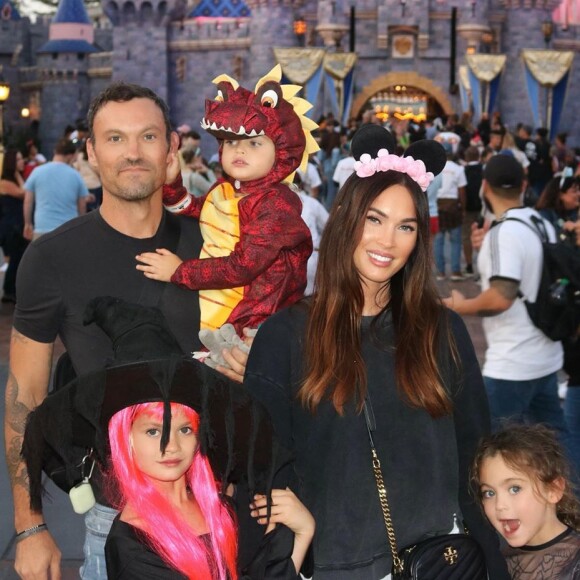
[446, 557]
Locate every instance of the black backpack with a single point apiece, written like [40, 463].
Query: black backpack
[556, 311]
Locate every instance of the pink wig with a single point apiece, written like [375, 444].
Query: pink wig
[167, 531]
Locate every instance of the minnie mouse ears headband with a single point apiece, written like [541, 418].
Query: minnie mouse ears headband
[373, 147]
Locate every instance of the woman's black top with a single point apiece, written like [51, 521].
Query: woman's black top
[425, 461]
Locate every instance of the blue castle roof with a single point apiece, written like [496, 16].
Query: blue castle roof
[8, 11]
[72, 11]
[220, 9]
[75, 46]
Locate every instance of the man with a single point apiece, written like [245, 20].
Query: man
[131, 144]
[496, 139]
[520, 362]
[56, 191]
[450, 208]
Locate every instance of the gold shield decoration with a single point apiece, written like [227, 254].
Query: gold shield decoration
[299, 64]
[548, 66]
[338, 65]
[486, 66]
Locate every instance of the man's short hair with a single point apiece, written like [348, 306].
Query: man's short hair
[472, 154]
[121, 92]
[191, 135]
[65, 147]
[505, 175]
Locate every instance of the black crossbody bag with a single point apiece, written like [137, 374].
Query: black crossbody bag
[446, 557]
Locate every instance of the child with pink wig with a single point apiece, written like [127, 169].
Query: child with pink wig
[173, 521]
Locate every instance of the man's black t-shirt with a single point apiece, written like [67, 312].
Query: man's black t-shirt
[85, 258]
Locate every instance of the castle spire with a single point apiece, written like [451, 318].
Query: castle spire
[71, 30]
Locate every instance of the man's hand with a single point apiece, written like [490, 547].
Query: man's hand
[159, 265]
[28, 232]
[477, 234]
[38, 558]
[455, 300]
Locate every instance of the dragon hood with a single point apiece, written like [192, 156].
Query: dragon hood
[272, 110]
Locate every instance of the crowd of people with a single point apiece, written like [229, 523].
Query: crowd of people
[361, 382]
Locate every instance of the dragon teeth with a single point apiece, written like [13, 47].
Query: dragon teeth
[253, 133]
[213, 126]
[241, 131]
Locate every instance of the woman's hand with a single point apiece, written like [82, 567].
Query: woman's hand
[159, 265]
[286, 509]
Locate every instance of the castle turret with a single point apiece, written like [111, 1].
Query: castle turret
[62, 71]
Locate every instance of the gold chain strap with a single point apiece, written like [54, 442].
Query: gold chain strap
[397, 562]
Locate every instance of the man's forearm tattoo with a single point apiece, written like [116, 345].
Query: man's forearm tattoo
[16, 415]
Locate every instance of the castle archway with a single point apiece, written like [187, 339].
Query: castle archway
[404, 88]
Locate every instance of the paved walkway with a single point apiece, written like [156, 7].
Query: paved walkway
[65, 525]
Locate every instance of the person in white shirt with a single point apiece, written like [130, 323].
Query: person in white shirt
[520, 361]
[311, 180]
[344, 168]
[450, 208]
[315, 217]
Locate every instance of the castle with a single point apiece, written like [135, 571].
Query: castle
[55, 67]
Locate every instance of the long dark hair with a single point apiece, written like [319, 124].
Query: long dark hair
[10, 165]
[550, 198]
[335, 368]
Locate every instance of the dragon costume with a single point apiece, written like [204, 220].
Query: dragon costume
[253, 261]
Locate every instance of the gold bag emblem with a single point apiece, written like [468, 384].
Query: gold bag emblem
[450, 555]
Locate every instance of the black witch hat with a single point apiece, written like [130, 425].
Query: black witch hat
[234, 433]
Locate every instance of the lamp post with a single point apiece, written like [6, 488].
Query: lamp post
[547, 31]
[300, 28]
[4, 94]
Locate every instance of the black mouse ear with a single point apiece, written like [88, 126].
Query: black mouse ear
[371, 139]
[430, 152]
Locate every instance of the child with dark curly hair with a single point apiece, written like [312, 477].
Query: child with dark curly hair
[522, 480]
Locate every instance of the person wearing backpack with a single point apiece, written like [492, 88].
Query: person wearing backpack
[521, 362]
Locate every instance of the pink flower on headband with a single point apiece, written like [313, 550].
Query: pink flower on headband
[366, 167]
[414, 168]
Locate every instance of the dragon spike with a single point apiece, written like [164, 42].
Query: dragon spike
[289, 91]
[227, 79]
[309, 124]
[311, 145]
[301, 106]
[274, 75]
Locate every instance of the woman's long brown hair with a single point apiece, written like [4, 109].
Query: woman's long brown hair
[334, 365]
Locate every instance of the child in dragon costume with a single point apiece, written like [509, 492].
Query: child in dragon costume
[256, 245]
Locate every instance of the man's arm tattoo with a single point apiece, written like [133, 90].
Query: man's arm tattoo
[16, 415]
[508, 289]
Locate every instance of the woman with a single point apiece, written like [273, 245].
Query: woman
[11, 218]
[375, 329]
[559, 202]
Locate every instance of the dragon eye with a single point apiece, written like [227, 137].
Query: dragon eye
[220, 97]
[270, 99]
